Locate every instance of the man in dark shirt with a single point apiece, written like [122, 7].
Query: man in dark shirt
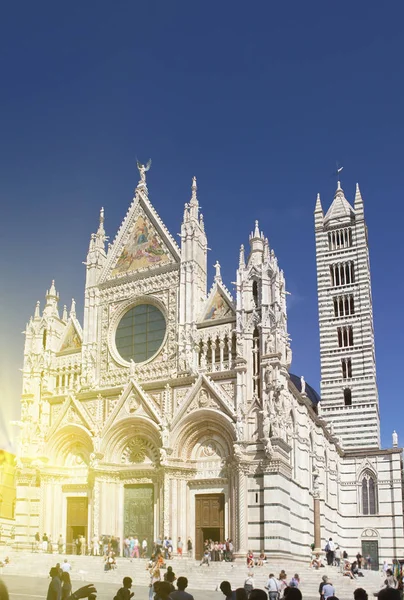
[225, 588]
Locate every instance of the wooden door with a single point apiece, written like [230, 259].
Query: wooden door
[209, 520]
[77, 518]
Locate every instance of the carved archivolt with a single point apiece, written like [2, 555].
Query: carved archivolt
[70, 446]
[116, 441]
[191, 437]
[138, 450]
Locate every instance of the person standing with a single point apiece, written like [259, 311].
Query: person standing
[323, 581]
[330, 547]
[180, 546]
[136, 547]
[328, 590]
[55, 586]
[66, 566]
[154, 578]
[95, 545]
[66, 585]
[144, 548]
[337, 556]
[273, 587]
[189, 547]
[249, 584]
[37, 541]
[368, 562]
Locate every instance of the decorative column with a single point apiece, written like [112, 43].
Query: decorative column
[166, 504]
[316, 511]
[241, 510]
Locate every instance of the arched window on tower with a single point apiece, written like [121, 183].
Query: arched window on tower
[44, 337]
[369, 494]
[347, 397]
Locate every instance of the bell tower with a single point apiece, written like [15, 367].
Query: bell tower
[349, 397]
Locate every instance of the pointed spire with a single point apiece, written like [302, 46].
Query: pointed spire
[37, 314]
[193, 203]
[339, 188]
[52, 291]
[318, 207]
[101, 230]
[194, 188]
[73, 308]
[64, 315]
[201, 222]
[241, 262]
[266, 249]
[256, 230]
[358, 203]
[218, 276]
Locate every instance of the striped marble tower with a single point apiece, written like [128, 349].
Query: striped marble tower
[349, 398]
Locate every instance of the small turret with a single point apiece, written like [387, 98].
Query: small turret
[193, 203]
[241, 262]
[73, 308]
[52, 299]
[96, 255]
[37, 313]
[256, 242]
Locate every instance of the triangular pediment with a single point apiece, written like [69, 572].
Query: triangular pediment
[142, 242]
[219, 305]
[71, 413]
[204, 394]
[72, 338]
[133, 402]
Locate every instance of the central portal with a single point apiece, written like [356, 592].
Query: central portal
[139, 512]
[209, 520]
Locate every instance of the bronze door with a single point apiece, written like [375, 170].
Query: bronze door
[139, 512]
[77, 519]
[209, 520]
[371, 548]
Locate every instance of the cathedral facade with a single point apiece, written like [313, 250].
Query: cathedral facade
[172, 410]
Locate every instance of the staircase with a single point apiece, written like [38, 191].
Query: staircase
[91, 568]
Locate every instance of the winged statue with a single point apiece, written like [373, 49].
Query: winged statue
[143, 169]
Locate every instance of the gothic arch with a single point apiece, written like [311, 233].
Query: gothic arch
[116, 441]
[189, 432]
[70, 446]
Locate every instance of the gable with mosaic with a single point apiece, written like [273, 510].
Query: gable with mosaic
[143, 249]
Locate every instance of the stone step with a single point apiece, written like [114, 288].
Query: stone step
[91, 568]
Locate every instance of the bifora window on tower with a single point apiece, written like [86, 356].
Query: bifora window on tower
[140, 333]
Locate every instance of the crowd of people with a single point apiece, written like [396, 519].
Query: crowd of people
[217, 551]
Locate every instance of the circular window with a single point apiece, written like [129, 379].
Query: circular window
[140, 333]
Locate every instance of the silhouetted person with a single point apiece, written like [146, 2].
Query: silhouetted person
[124, 592]
[226, 590]
[258, 595]
[180, 593]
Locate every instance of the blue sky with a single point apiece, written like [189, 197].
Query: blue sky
[257, 100]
